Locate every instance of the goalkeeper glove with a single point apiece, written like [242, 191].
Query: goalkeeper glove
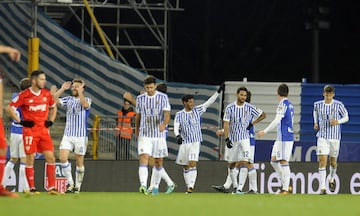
[250, 126]
[221, 88]
[27, 123]
[178, 139]
[48, 123]
[229, 144]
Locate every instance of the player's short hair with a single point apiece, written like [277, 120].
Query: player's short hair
[25, 83]
[149, 79]
[329, 89]
[283, 90]
[35, 74]
[248, 96]
[78, 81]
[161, 87]
[186, 98]
[242, 88]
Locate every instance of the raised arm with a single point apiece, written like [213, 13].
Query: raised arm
[56, 95]
[80, 90]
[213, 98]
[13, 53]
[210, 101]
[129, 98]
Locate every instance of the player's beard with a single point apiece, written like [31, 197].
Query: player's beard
[240, 101]
[74, 93]
[38, 86]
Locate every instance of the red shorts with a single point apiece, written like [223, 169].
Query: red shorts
[2, 135]
[37, 139]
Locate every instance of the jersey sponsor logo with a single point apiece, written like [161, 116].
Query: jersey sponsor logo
[41, 107]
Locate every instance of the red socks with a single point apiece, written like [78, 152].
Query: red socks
[2, 167]
[50, 173]
[29, 171]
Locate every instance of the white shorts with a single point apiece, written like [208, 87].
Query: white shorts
[328, 147]
[282, 150]
[155, 147]
[76, 144]
[17, 146]
[229, 154]
[241, 151]
[188, 152]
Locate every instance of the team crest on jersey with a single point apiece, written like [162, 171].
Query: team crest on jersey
[77, 109]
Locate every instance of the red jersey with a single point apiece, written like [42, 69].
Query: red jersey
[34, 106]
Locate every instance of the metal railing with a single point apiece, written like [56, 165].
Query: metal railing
[108, 142]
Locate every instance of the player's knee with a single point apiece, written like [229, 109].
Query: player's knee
[192, 163]
[14, 160]
[333, 163]
[63, 160]
[50, 158]
[284, 162]
[158, 162]
[144, 159]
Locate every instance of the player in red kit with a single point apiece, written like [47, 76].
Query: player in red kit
[39, 112]
[14, 55]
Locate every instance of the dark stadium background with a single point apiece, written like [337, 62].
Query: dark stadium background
[263, 40]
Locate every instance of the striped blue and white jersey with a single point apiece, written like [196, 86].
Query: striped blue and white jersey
[239, 118]
[189, 123]
[76, 116]
[285, 130]
[16, 128]
[323, 113]
[151, 109]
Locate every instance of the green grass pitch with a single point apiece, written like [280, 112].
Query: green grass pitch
[125, 204]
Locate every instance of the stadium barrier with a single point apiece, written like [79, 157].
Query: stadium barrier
[109, 141]
[122, 176]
